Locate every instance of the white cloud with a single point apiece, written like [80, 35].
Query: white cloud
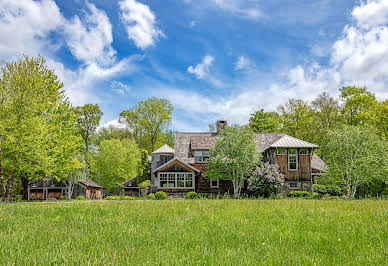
[119, 87]
[140, 23]
[243, 8]
[202, 69]
[371, 13]
[113, 123]
[242, 63]
[90, 40]
[192, 24]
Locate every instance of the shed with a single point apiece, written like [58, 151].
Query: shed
[130, 187]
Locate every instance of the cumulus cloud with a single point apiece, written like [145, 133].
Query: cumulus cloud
[140, 23]
[242, 63]
[371, 13]
[202, 69]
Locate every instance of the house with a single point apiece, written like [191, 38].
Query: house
[181, 169]
[49, 188]
[130, 187]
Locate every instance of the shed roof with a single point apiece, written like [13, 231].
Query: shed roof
[177, 160]
[317, 163]
[164, 149]
[129, 182]
[90, 183]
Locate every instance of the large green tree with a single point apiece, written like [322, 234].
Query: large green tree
[261, 122]
[147, 121]
[36, 125]
[356, 156]
[234, 156]
[117, 161]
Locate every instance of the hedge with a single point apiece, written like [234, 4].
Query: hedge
[300, 194]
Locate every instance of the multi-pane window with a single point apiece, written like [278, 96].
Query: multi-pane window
[214, 183]
[282, 151]
[293, 185]
[304, 151]
[201, 156]
[176, 180]
[292, 159]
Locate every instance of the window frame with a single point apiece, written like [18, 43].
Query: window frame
[304, 149]
[167, 177]
[279, 153]
[294, 187]
[202, 156]
[211, 183]
[295, 156]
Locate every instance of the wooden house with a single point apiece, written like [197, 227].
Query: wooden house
[182, 168]
[130, 187]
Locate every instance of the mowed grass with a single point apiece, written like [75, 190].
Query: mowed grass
[196, 232]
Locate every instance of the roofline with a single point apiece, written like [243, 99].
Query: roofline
[127, 181]
[179, 160]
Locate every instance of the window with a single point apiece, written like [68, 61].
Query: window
[214, 183]
[292, 160]
[282, 151]
[176, 180]
[201, 156]
[304, 151]
[294, 185]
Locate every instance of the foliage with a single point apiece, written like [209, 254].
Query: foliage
[128, 198]
[332, 190]
[113, 198]
[111, 132]
[144, 187]
[261, 122]
[80, 197]
[265, 180]
[234, 156]
[212, 231]
[203, 195]
[117, 161]
[62, 198]
[299, 194]
[160, 195]
[151, 196]
[142, 169]
[357, 156]
[192, 195]
[147, 120]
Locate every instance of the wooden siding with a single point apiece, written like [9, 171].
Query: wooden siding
[202, 184]
[304, 170]
[176, 167]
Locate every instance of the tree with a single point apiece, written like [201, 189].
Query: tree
[88, 120]
[110, 132]
[356, 156]
[74, 177]
[266, 180]
[381, 114]
[358, 105]
[117, 161]
[147, 120]
[142, 169]
[233, 156]
[261, 122]
[35, 124]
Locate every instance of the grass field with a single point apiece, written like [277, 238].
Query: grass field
[196, 232]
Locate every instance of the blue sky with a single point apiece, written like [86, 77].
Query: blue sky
[214, 59]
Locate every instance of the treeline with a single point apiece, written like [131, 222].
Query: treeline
[43, 135]
[352, 131]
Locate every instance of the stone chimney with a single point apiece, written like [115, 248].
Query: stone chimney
[221, 124]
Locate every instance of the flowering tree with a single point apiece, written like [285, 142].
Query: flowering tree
[265, 180]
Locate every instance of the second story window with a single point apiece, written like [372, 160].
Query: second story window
[292, 159]
[201, 156]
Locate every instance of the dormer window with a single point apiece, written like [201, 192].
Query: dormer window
[201, 156]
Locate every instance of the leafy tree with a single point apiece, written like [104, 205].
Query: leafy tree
[110, 132]
[117, 161]
[233, 156]
[358, 105]
[147, 120]
[88, 120]
[36, 124]
[73, 177]
[142, 170]
[261, 122]
[357, 156]
[381, 122]
[266, 180]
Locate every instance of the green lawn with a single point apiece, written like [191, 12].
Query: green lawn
[196, 232]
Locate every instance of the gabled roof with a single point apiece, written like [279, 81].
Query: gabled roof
[265, 140]
[176, 160]
[317, 163]
[291, 142]
[90, 183]
[164, 149]
[128, 182]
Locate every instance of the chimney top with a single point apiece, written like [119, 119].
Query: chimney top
[221, 124]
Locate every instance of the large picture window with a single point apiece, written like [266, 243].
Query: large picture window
[176, 180]
[201, 156]
[292, 159]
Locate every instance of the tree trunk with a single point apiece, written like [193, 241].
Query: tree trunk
[8, 191]
[24, 186]
[1, 175]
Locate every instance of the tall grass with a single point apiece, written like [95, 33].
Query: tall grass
[196, 232]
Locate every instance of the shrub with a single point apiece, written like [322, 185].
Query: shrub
[203, 195]
[192, 195]
[265, 180]
[128, 198]
[276, 196]
[112, 198]
[80, 197]
[299, 194]
[316, 195]
[160, 195]
[332, 190]
[62, 198]
[151, 196]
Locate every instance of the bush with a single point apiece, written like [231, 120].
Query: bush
[276, 196]
[332, 190]
[203, 195]
[316, 195]
[299, 194]
[128, 198]
[151, 196]
[112, 198]
[62, 198]
[192, 195]
[160, 195]
[80, 197]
